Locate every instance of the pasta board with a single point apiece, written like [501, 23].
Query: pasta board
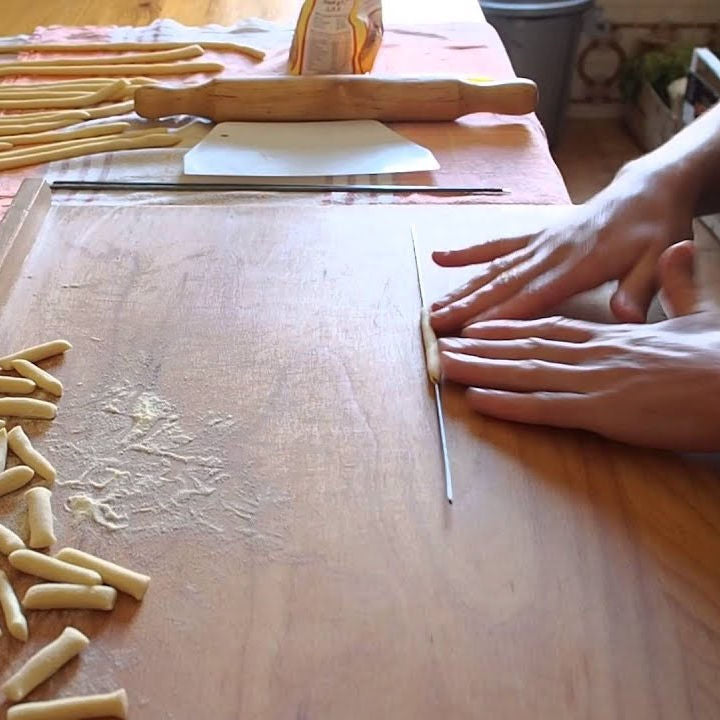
[246, 419]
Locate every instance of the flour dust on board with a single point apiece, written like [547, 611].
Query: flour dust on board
[138, 465]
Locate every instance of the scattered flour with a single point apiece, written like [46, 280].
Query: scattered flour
[137, 467]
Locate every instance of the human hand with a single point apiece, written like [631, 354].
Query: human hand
[617, 235]
[652, 385]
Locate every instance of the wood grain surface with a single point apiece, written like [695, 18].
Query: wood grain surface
[247, 395]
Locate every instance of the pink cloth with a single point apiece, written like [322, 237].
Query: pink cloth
[478, 150]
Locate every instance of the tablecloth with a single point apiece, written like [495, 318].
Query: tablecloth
[478, 150]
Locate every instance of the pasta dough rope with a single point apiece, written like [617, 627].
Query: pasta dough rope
[128, 581]
[64, 84]
[44, 664]
[43, 116]
[14, 618]
[40, 518]
[15, 478]
[42, 378]
[185, 52]
[68, 596]
[82, 148]
[180, 68]
[74, 102]
[109, 110]
[38, 126]
[36, 353]
[50, 568]
[114, 704]
[130, 46]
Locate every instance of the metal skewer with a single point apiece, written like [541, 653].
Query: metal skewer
[436, 386]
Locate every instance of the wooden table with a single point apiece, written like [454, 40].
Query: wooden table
[247, 394]
[247, 404]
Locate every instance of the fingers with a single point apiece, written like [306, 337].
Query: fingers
[507, 284]
[554, 328]
[566, 410]
[489, 273]
[630, 302]
[676, 269]
[567, 353]
[520, 375]
[481, 253]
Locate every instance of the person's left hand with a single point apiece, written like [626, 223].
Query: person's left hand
[653, 385]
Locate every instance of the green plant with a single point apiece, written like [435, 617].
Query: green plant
[657, 67]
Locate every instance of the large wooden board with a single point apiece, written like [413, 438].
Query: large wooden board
[247, 397]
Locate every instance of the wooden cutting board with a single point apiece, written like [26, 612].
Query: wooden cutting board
[246, 405]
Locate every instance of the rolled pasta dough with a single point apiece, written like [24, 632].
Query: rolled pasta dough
[14, 618]
[15, 478]
[20, 444]
[40, 518]
[432, 355]
[114, 704]
[50, 568]
[67, 596]
[128, 581]
[45, 663]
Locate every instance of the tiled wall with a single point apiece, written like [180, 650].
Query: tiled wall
[684, 11]
[623, 24]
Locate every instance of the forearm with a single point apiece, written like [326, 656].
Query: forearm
[690, 163]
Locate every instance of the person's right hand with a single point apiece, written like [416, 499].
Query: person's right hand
[619, 234]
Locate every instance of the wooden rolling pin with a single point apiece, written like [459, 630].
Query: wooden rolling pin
[338, 97]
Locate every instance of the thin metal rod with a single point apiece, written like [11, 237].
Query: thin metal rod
[443, 444]
[267, 187]
[438, 395]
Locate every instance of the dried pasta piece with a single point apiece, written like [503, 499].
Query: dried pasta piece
[36, 353]
[20, 444]
[15, 478]
[68, 596]
[16, 386]
[3, 448]
[432, 355]
[50, 568]
[50, 136]
[14, 618]
[177, 68]
[9, 541]
[40, 518]
[114, 704]
[44, 664]
[27, 408]
[128, 581]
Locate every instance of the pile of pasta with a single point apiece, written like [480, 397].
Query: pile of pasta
[71, 578]
[46, 121]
